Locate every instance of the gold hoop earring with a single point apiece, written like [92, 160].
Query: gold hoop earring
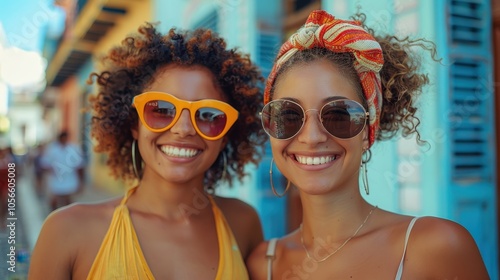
[365, 158]
[224, 172]
[271, 179]
[136, 155]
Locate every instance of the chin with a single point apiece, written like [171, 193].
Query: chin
[316, 188]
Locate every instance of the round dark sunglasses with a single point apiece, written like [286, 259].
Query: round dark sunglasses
[342, 118]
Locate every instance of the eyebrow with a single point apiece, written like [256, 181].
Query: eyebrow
[326, 100]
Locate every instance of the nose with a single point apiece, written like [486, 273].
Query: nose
[183, 126]
[312, 132]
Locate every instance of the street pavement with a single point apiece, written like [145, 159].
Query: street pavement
[24, 225]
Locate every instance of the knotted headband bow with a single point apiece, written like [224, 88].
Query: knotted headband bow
[322, 30]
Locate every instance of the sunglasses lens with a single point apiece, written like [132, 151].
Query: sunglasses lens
[159, 114]
[282, 119]
[211, 121]
[343, 118]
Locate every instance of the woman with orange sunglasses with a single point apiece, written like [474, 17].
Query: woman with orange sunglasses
[334, 90]
[179, 114]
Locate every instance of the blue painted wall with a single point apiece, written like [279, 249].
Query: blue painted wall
[454, 177]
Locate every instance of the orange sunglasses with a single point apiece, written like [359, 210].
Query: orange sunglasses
[159, 111]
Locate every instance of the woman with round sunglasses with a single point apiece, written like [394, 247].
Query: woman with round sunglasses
[334, 90]
[178, 115]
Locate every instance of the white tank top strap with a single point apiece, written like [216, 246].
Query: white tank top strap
[408, 231]
[270, 255]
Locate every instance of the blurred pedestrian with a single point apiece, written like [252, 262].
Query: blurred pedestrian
[64, 164]
[6, 163]
[38, 170]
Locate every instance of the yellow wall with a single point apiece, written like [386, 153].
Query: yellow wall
[139, 12]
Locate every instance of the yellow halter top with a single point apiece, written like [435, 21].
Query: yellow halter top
[120, 255]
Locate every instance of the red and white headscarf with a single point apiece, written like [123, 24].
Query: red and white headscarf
[322, 30]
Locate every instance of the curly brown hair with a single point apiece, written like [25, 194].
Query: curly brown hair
[402, 82]
[132, 66]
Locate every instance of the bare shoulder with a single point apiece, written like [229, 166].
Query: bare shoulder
[441, 234]
[444, 249]
[75, 221]
[235, 207]
[238, 211]
[257, 262]
[64, 233]
[244, 222]
[79, 216]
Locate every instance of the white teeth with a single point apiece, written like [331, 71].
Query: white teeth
[314, 160]
[179, 152]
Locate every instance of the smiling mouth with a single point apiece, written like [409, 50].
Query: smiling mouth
[179, 152]
[315, 160]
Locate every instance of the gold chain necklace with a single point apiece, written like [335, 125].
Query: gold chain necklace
[340, 247]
